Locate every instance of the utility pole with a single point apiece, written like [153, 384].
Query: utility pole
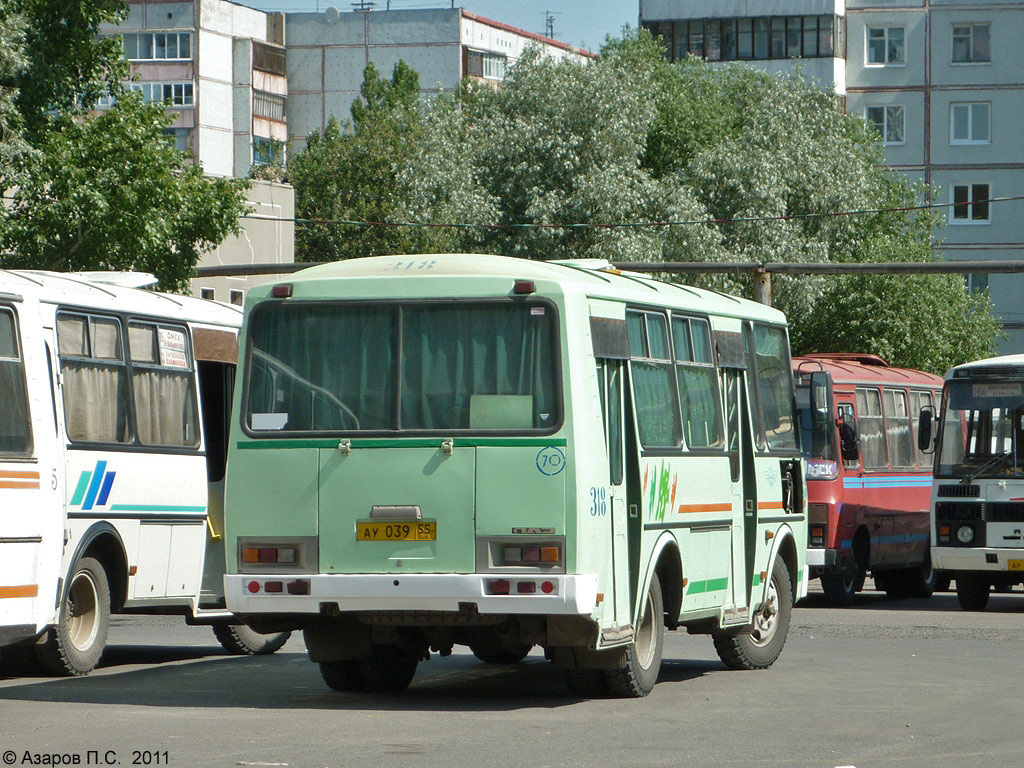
[549, 23]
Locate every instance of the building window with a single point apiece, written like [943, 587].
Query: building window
[236, 297]
[970, 203]
[268, 105]
[732, 39]
[207, 293]
[977, 282]
[268, 58]
[888, 121]
[180, 137]
[969, 123]
[148, 46]
[494, 66]
[885, 45]
[971, 43]
[267, 151]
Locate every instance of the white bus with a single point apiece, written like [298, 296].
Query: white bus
[113, 428]
[501, 453]
[978, 493]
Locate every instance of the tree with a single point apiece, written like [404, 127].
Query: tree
[349, 174]
[104, 191]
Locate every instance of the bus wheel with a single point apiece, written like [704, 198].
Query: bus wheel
[643, 656]
[75, 644]
[972, 591]
[840, 586]
[389, 669]
[942, 581]
[345, 675]
[761, 646]
[491, 650]
[243, 641]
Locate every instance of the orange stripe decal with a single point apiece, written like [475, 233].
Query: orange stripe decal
[25, 590]
[692, 508]
[19, 484]
[769, 505]
[21, 479]
[19, 475]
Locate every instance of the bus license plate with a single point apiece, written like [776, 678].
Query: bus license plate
[413, 531]
[1015, 565]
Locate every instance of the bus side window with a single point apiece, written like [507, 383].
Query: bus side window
[872, 429]
[15, 427]
[95, 378]
[654, 391]
[163, 384]
[898, 428]
[918, 401]
[850, 438]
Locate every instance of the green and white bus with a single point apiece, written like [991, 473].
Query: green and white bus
[500, 453]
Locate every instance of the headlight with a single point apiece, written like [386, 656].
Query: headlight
[965, 534]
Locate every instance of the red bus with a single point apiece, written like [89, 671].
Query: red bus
[868, 484]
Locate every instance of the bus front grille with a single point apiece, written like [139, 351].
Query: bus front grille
[960, 491]
[953, 511]
[1005, 512]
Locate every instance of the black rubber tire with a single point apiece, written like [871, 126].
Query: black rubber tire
[890, 583]
[942, 581]
[389, 669]
[492, 649]
[243, 641]
[344, 676]
[840, 587]
[643, 655]
[972, 590]
[919, 581]
[74, 646]
[759, 648]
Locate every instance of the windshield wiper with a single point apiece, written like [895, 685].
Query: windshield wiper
[990, 464]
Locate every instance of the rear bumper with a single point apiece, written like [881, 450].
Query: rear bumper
[570, 596]
[990, 559]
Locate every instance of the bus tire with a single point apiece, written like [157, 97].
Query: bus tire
[761, 646]
[491, 650]
[643, 656]
[840, 586]
[943, 580]
[345, 675]
[389, 669]
[972, 591]
[74, 646]
[244, 641]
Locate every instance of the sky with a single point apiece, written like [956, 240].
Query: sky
[579, 22]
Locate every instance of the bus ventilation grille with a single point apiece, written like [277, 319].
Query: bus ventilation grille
[1006, 513]
[960, 491]
[949, 510]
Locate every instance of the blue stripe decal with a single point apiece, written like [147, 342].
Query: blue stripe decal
[887, 482]
[904, 538]
[105, 490]
[94, 486]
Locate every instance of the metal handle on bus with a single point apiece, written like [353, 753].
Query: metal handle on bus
[447, 446]
[345, 446]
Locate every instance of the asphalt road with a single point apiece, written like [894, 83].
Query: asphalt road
[906, 683]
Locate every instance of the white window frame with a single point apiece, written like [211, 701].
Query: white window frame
[952, 43]
[969, 106]
[152, 47]
[970, 221]
[494, 66]
[885, 39]
[153, 92]
[886, 124]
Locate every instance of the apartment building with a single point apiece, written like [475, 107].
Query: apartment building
[942, 81]
[328, 51]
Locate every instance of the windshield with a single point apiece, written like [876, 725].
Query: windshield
[386, 367]
[817, 440]
[982, 429]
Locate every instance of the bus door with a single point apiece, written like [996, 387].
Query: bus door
[743, 483]
[610, 384]
[851, 500]
[878, 510]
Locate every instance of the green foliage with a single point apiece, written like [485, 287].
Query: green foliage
[94, 192]
[350, 175]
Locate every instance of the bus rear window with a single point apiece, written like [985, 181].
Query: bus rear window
[15, 430]
[417, 367]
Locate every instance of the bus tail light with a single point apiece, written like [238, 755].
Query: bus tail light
[817, 533]
[944, 533]
[514, 554]
[277, 555]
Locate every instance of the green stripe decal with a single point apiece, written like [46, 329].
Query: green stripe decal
[409, 442]
[153, 508]
[708, 585]
[757, 579]
[83, 483]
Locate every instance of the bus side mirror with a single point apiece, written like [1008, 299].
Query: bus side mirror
[819, 398]
[924, 429]
[849, 439]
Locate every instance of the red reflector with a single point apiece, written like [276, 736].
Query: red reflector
[547, 587]
[268, 555]
[273, 586]
[531, 554]
[300, 587]
[282, 291]
[526, 587]
[498, 587]
[253, 586]
[523, 287]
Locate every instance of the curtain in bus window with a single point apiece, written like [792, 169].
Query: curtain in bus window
[482, 367]
[15, 430]
[698, 404]
[655, 411]
[95, 402]
[897, 429]
[324, 368]
[774, 382]
[872, 429]
[164, 408]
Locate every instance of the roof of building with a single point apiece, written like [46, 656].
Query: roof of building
[532, 35]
